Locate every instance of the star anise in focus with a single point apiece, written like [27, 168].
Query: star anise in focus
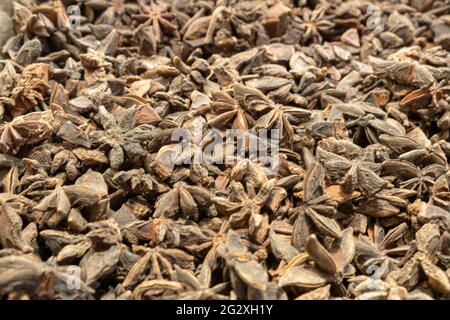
[420, 260]
[72, 161]
[183, 233]
[440, 192]
[121, 137]
[179, 233]
[213, 243]
[386, 203]
[244, 208]
[179, 143]
[25, 130]
[415, 147]
[248, 279]
[431, 103]
[89, 193]
[35, 181]
[244, 19]
[331, 264]
[137, 182]
[176, 97]
[156, 263]
[190, 201]
[386, 242]
[30, 88]
[228, 111]
[316, 213]
[439, 92]
[352, 174]
[270, 114]
[379, 249]
[56, 207]
[249, 173]
[412, 177]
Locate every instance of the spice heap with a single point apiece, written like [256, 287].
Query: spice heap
[99, 201]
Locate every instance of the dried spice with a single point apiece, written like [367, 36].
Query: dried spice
[225, 150]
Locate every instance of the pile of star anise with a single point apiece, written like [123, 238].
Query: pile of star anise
[98, 202]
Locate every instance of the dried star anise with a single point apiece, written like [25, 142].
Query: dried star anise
[225, 149]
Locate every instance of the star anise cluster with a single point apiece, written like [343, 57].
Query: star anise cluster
[117, 164]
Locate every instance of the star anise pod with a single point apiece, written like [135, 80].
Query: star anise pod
[25, 130]
[369, 128]
[414, 178]
[39, 279]
[416, 148]
[121, 137]
[356, 174]
[73, 161]
[385, 203]
[247, 277]
[270, 115]
[331, 265]
[118, 13]
[228, 111]
[156, 263]
[317, 210]
[198, 287]
[313, 23]
[430, 103]
[245, 208]
[30, 88]
[88, 193]
[157, 16]
[379, 250]
[190, 201]
[440, 192]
